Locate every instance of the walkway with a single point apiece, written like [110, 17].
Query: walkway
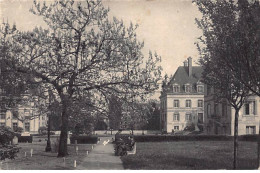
[102, 157]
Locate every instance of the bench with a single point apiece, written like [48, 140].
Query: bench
[124, 144]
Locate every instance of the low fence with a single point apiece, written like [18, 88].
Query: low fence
[84, 139]
[136, 132]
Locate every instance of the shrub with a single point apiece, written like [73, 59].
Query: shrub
[159, 138]
[42, 130]
[84, 139]
[28, 139]
[190, 127]
[8, 152]
[252, 138]
[6, 135]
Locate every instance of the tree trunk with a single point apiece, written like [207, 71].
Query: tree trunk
[235, 138]
[258, 148]
[64, 132]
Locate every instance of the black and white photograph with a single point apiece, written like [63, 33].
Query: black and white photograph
[129, 85]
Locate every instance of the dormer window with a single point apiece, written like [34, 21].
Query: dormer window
[188, 88]
[200, 87]
[176, 88]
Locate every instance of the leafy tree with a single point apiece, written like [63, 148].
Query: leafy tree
[101, 125]
[82, 53]
[221, 48]
[114, 112]
[153, 116]
[235, 38]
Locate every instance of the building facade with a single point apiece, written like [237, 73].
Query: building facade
[220, 116]
[182, 99]
[24, 115]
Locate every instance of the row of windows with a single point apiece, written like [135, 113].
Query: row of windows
[176, 103]
[249, 108]
[15, 126]
[217, 130]
[3, 117]
[176, 117]
[188, 117]
[188, 88]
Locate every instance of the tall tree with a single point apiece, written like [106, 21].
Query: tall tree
[220, 45]
[153, 116]
[235, 27]
[82, 53]
[114, 112]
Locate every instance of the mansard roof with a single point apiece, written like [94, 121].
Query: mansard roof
[182, 77]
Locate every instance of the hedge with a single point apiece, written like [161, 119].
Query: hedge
[28, 139]
[159, 138]
[84, 139]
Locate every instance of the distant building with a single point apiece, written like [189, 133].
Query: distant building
[220, 116]
[182, 99]
[29, 118]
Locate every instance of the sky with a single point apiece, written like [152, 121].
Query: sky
[166, 26]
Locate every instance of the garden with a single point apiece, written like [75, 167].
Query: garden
[29, 153]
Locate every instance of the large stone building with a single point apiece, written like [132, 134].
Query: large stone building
[24, 115]
[182, 99]
[220, 116]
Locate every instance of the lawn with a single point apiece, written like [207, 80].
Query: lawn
[42, 160]
[189, 155]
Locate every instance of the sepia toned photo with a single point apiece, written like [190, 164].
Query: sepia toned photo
[129, 85]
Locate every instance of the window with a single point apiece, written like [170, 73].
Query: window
[15, 126]
[176, 127]
[224, 109]
[216, 109]
[250, 130]
[3, 106]
[176, 103]
[200, 103]
[26, 111]
[176, 117]
[254, 107]
[2, 116]
[246, 108]
[176, 88]
[2, 124]
[188, 117]
[208, 90]
[188, 88]
[2, 110]
[27, 127]
[200, 89]
[250, 108]
[188, 103]
[200, 117]
[208, 110]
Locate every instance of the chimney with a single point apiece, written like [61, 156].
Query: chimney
[190, 66]
[185, 63]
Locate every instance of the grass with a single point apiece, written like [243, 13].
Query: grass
[42, 160]
[191, 155]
